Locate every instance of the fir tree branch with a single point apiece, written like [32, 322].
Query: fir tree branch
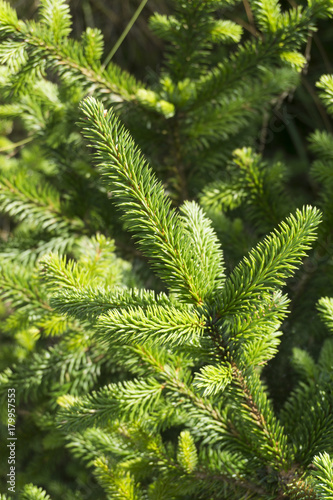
[262, 413]
[118, 484]
[324, 473]
[156, 324]
[198, 479]
[271, 262]
[32, 492]
[60, 369]
[130, 399]
[89, 303]
[289, 31]
[144, 204]
[45, 50]
[30, 203]
[18, 287]
[325, 308]
[237, 485]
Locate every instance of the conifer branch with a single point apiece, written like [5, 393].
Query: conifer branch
[271, 262]
[120, 484]
[324, 473]
[90, 303]
[45, 50]
[32, 492]
[288, 32]
[157, 324]
[131, 398]
[45, 373]
[325, 307]
[261, 412]
[144, 204]
[30, 203]
[18, 287]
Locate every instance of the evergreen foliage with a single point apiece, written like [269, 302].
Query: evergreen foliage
[167, 383]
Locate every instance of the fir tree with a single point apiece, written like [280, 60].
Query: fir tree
[134, 384]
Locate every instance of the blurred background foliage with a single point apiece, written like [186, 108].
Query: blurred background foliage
[283, 135]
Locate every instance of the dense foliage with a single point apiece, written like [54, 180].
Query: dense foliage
[166, 279]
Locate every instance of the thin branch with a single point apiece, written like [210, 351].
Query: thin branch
[124, 33]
